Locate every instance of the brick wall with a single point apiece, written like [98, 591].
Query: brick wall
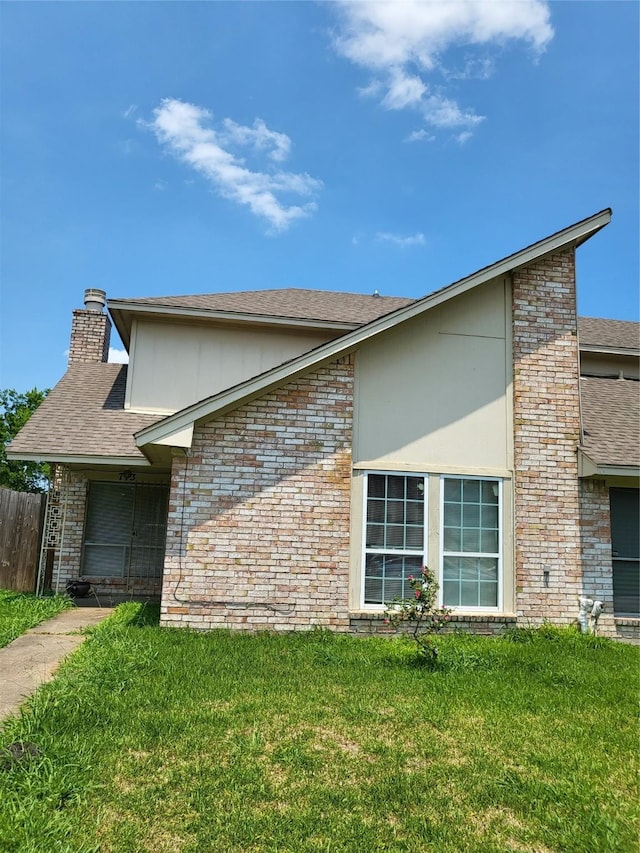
[258, 533]
[90, 336]
[595, 544]
[546, 435]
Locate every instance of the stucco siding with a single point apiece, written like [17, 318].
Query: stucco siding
[434, 391]
[174, 365]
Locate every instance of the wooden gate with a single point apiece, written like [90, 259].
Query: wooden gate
[21, 517]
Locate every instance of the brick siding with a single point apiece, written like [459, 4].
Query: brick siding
[595, 544]
[258, 528]
[546, 437]
[90, 337]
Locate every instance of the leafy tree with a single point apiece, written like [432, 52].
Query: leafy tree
[15, 411]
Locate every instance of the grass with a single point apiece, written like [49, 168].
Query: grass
[171, 740]
[20, 611]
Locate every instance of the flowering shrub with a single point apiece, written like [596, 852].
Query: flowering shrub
[421, 610]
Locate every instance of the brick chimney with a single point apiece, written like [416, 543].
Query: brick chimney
[90, 330]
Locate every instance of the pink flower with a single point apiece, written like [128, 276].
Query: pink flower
[386, 622]
[410, 577]
[417, 593]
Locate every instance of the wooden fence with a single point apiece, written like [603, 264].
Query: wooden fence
[21, 520]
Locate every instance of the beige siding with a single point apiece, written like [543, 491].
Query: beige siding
[432, 394]
[175, 365]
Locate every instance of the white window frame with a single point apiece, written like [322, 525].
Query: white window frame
[405, 553]
[499, 555]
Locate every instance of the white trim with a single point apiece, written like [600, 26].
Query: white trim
[598, 348]
[467, 608]
[129, 461]
[435, 468]
[231, 398]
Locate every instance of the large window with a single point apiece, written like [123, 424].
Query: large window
[395, 535]
[396, 542]
[470, 542]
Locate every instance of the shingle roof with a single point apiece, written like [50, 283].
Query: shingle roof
[84, 415]
[611, 420]
[616, 334]
[298, 303]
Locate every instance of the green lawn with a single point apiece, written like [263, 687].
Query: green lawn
[19, 611]
[171, 740]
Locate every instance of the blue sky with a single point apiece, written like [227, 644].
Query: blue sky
[167, 148]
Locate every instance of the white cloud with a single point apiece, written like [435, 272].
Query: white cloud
[416, 239]
[118, 356]
[463, 137]
[160, 185]
[187, 131]
[402, 41]
[130, 110]
[420, 136]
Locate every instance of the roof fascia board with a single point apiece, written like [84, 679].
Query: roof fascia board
[129, 461]
[598, 348]
[588, 467]
[117, 307]
[226, 400]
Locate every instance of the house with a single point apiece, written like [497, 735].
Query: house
[286, 458]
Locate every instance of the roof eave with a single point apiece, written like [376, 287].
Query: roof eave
[122, 312]
[574, 236]
[80, 459]
[589, 467]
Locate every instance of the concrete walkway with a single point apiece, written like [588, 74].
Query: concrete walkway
[33, 658]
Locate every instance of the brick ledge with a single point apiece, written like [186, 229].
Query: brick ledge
[631, 621]
[456, 616]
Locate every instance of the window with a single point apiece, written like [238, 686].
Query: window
[395, 535]
[125, 530]
[471, 553]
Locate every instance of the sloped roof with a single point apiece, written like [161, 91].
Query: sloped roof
[611, 420]
[83, 416]
[324, 305]
[609, 334]
[230, 398]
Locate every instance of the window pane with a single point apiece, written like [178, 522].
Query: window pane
[376, 485]
[452, 539]
[452, 490]
[468, 594]
[415, 488]
[452, 515]
[395, 512]
[395, 536]
[471, 515]
[375, 511]
[490, 492]
[373, 591]
[451, 593]
[488, 594]
[488, 569]
[375, 536]
[470, 540]
[489, 516]
[451, 568]
[415, 538]
[396, 487]
[468, 569]
[471, 490]
[392, 589]
[489, 541]
[415, 513]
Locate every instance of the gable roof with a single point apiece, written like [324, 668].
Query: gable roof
[289, 306]
[83, 418]
[611, 421]
[608, 335]
[180, 424]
